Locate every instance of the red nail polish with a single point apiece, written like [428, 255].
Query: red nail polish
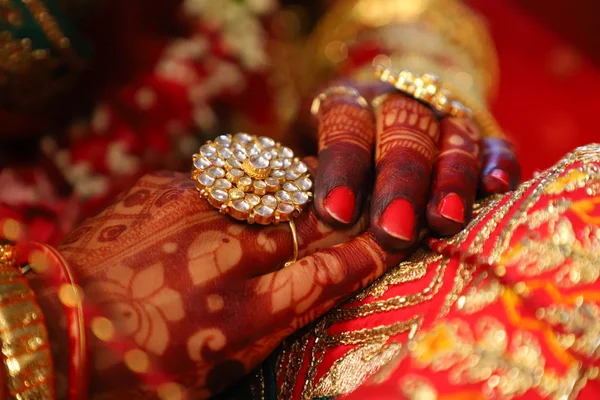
[452, 207]
[497, 181]
[340, 204]
[398, 219]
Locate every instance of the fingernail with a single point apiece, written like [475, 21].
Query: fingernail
[340, 204]
[497, 181]
[452, 207]
[398, 219]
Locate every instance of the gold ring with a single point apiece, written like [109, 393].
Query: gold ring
[253, 179]
[337, 90]
[295, 240]
[427, 88]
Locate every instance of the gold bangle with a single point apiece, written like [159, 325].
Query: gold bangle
[295, 240]
[339, 91]
[458, 28]
[28, 364]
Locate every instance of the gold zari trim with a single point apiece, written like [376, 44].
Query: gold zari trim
[495, 347]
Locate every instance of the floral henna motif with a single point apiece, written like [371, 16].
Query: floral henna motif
[404, 122]
[187, 286]
[341, 119]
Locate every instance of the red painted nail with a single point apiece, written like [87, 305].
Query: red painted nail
[398, 219]
[452, 207]
[497, 181]
[340, 204]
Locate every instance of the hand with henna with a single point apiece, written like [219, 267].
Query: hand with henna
[419, 170]
[202, 296]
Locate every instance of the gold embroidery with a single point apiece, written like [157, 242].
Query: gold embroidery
[581, 324]
[479, 297]
[487, 354]
[368, 335]
[584, 154]
[343, 377]
[415, 387]
[257, 385]
[407, 271]
[464, 271]
[395, 303]
[298, 346]
[509, 367]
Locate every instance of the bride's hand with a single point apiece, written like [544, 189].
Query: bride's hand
[200, 294]
[419, 170]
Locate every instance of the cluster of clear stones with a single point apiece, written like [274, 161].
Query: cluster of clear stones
[426, 87]
[224, 168]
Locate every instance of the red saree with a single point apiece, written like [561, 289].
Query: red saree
[506, 309]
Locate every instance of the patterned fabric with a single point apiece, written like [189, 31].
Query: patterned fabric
[509, 308]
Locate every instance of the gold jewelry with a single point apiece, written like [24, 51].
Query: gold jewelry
[295, 240]
[456, 32]
[29, 369]
[337, 91]
[251, 178]
[427, 88]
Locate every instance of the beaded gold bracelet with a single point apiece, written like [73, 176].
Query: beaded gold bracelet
[28, 364]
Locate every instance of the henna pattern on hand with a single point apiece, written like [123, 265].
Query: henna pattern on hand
[407, 134]
[346, 136]
[180, 282]
[404, 122]
[456, 175]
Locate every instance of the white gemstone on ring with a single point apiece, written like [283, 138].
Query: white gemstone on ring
[252, 178]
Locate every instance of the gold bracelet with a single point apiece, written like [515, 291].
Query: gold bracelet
[458, 31]
[28, 364]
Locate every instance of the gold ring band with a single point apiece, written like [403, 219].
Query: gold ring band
[337, 90]
[426, 88]
[295, 240]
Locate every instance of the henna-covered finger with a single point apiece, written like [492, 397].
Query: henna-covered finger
[501, 171]
[456, 175]
[308, 288]
[277, 304]
[406, 146]
[346, 136]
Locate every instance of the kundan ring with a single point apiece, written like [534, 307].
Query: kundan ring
[253, 179]
[426, 88]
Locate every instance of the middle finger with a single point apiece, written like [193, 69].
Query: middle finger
[406, 146]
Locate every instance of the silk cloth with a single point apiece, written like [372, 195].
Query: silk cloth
[509, 308]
